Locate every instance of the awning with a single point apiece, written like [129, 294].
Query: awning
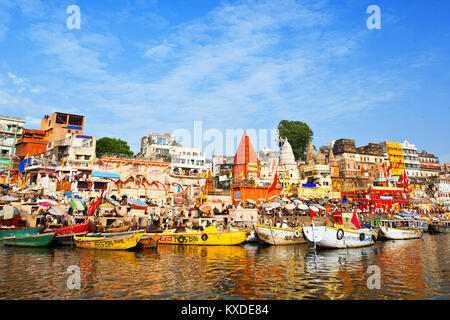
[76, 204]
[100, 174]
[137, 203]
[9, 212]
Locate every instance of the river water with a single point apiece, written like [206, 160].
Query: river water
[409, 269]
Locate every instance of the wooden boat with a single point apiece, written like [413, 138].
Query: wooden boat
[119, 229]
[399, 234]
[211, 236]
[121, 242]
[20, 232]
[36, 240]
[339, 237]
[252, 236]
[114, 234]
[442, 227]
[149, 241]
[279, 236]
[77, 228]
[66, 239]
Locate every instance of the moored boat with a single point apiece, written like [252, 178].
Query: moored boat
[211, 236]
[20, 232]
[121, 242]
[36, 240]
[252, 236]
[76, 228]
[399, 234]
[279, 236]
[442, 227]
[149, 241]
[339, 237]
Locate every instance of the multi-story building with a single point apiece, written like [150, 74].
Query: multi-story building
[429, 164]
[358, 167]
[157, 147]
[32, 142]
[10, 131]
[393, 156]
[187, 161]
[411, 158]
[445, 168]
[58, 125]
[74, 150]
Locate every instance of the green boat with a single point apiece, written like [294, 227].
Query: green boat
[22, 232]
[37, 240]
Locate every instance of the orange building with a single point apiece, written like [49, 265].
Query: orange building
[32, 142]
[59, 124]
[246, 163]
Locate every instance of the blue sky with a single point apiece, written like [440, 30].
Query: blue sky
[137, 67]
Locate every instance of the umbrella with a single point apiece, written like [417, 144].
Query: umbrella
[273, 197]
[285, 199]
[48, 201]
[275, 205]
[296, 201]
[9, 212]
[8, 198]
[313, 208]
[76, 204]
[251, 201]
[320, 207]
[262, 200]
[290, 206]
[55, 212]
[302, 207]
[44, 204]
[137, 202]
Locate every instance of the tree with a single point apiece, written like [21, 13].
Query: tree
[298, 134]
[112, 146]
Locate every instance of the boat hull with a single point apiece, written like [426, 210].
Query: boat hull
[227, 238]
[399, 234]
[20, 232]
[37, 240]
[251, 237]
[279, 236]
[437, 228]
[334, 237]
[149, 241]
[109, 243]
[77, 228]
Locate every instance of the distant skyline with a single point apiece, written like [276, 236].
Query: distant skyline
[137, 67]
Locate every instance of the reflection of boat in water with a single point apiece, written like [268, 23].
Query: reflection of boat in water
[332, 260]
[122, 242]
[339, 237]
[279, 236]
[211, 236]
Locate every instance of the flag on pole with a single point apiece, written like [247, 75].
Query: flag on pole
[62, 163]
[274, 183]
[362, 169]
[311, 213]
[355, 221]
[95, 205]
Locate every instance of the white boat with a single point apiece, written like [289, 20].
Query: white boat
[251, 237]
[279, 236]
[399, 234]
[339, 237]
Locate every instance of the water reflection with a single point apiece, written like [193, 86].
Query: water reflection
[412, 269]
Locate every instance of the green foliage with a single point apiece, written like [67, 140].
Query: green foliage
[298, 134]
[112, 146]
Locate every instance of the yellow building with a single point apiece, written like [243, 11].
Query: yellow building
[394, 153]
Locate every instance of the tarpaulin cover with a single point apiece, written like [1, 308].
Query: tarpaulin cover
[100, 174]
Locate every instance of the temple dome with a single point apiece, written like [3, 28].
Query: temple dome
[287, 155]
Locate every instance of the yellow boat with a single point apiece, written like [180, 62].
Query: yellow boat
[123, 242]
[211, 236]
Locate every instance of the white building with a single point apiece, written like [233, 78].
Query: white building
[411, 157]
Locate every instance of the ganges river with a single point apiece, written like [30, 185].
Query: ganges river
[409, 269]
